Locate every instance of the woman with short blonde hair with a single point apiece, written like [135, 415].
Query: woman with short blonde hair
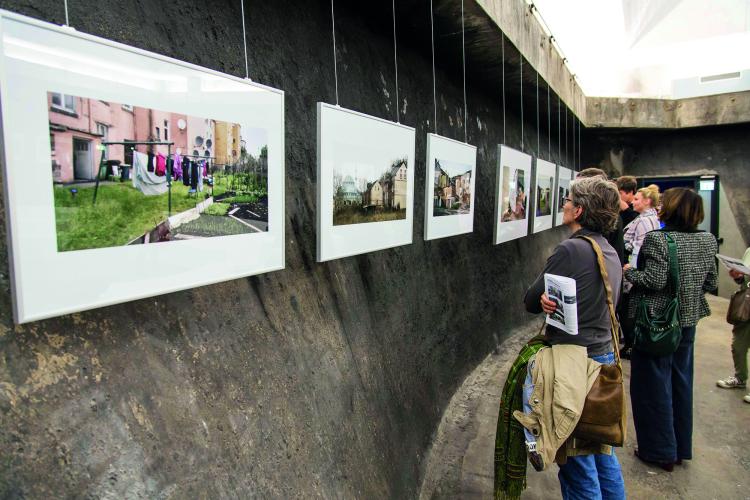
[645, 202]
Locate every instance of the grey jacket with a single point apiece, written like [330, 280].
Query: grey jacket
[576, 259]
[697, 266]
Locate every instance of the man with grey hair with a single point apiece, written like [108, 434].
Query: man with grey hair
[592, 209]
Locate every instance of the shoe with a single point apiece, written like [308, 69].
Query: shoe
[746, 399]
[667, 466]
[731, 383]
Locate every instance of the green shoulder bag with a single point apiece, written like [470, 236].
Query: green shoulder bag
[661, 334]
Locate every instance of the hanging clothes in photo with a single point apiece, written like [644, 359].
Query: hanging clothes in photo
[150, 162]
[186, 171]
[161, 165]
[177, 167]
[146, 182]
[194, 175]
[201, 173]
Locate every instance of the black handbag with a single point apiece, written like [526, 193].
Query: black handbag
[660, 335]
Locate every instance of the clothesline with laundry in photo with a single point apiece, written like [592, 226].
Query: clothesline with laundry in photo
[149, 184]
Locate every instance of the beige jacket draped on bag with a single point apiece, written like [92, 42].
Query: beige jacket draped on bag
[563, 375]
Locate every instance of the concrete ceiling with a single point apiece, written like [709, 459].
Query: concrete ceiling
[485, 70]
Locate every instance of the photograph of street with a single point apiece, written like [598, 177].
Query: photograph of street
[514, 197]
[369, 191]
[544, 196]
[452, 188]
[125, 175]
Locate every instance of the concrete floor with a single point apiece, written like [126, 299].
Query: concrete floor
[460, 464]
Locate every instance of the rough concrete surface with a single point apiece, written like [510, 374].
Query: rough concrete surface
[318, 381]
[617, 112]
[460, 463]
[720, 150]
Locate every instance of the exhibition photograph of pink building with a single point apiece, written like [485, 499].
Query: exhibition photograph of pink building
[79, 125]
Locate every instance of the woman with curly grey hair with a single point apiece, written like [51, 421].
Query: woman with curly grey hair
[592, 209]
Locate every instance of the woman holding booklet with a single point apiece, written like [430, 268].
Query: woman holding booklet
[591, 210]
[738, 270]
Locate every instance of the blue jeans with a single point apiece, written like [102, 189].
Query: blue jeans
[661, 393]
[592, 477]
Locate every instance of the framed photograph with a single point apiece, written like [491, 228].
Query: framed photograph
[512, 194]
[544, 196]
[365, 183]
[449, 187]
[129, 174]
[562, 190]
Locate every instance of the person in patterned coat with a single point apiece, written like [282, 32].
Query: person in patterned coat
[661, 387]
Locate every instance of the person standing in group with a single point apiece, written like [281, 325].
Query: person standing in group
[661, 387]
[591, 210]
[645, 202]
[740, 340]
[614, 237]
[627, 186]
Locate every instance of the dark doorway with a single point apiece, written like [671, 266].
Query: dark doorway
[707, 186]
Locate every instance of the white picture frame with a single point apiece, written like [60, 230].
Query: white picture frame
[37, 58]
[513, 178]
[544, 194]
[371, 161]
[449, 187]
[562, 188]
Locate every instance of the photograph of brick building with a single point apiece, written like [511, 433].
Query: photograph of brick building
[125, 174]
[452, 188]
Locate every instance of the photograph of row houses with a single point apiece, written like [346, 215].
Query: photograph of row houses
[210, 181]
[368, 193]
[452, 188]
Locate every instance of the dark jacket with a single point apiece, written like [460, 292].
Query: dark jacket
[697, 266]
[617, 241]
[628, 215]
[575, 258]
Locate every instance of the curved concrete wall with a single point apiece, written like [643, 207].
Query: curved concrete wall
[321, 380]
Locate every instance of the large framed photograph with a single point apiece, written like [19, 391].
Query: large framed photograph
[562, 190]
[449, 187]
[365, 183]
[544, 197]
[129, 174]
[512, 194]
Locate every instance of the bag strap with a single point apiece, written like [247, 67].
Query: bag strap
[674, 268]
[610, 303]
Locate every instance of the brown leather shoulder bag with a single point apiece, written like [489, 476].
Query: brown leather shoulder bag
[603, 417]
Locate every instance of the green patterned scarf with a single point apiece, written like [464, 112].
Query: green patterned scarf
[510, 450]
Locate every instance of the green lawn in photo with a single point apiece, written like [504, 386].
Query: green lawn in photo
[240, 184]
[355, 215]
[121, 214]
[207, 226]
